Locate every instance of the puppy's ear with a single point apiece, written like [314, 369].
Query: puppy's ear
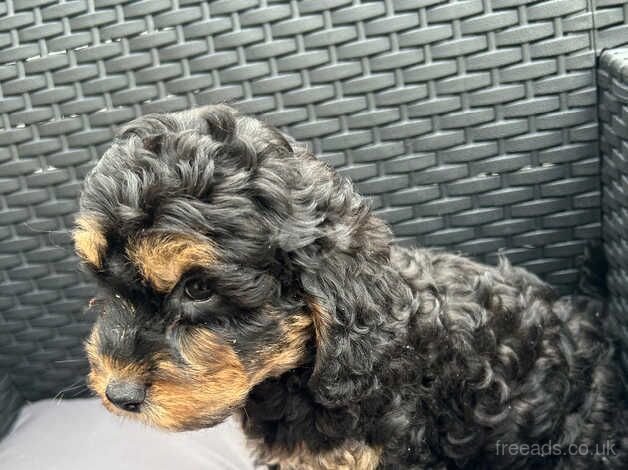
[356, 331]
[359, 304]
[338, 257]
[347, 353]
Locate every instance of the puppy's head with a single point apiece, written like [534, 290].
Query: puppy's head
[202, 229]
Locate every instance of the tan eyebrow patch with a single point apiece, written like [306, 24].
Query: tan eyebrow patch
[89, 241]
[163, 258]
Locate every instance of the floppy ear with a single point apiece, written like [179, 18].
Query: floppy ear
[358, 302]
[358, 315]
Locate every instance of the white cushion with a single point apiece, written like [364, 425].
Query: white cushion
[81, 434]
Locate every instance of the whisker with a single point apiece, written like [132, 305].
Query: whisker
[80, 390]
[77, 384]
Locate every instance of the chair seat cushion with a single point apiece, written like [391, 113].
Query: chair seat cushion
[80, 434]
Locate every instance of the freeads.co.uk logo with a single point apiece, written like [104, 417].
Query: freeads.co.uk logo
[553, 449]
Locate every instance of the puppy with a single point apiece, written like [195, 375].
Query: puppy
[240, 275]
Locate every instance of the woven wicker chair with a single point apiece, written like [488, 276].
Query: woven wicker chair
[476, 125]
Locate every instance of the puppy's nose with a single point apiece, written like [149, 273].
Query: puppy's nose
[127, 396]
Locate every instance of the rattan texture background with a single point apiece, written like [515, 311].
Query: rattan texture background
[472, 125]
[613, 84]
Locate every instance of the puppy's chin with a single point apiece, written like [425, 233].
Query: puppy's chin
[201, 422]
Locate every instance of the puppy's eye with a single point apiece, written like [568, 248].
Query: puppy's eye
[198, 289]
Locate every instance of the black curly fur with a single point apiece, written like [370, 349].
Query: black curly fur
[432, 358]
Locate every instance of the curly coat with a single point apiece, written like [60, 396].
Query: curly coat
[336, 348]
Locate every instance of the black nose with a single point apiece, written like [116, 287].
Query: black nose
[127, 396]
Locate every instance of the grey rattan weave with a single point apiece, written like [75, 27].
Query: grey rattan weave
[613, 83]
[471, 124]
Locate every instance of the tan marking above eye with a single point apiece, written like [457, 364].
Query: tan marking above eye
[89, 241]
[162, 258]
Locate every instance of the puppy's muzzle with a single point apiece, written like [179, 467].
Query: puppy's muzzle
[127, 396]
